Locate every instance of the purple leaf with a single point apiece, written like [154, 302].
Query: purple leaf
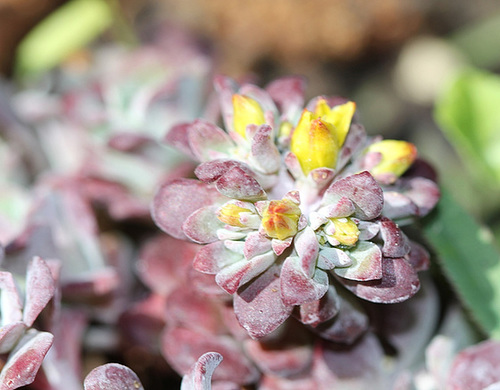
[177, 136]
[362, 190]
[321, 310]
[423, 192]
[288, 93]
[307, 247]
[177, 199]
[366, 263]
[237, 184]
[202, 225]
[24, 362]
[418, 257]
[199, 376]
[395, 242]
[258, 305]
[112, 376]
[399, 282]
[211, 171]
[264, 153]
[296, 287]
[353, 142]
[40, 288]
[476, 367]
[208, 141]
[182, 347]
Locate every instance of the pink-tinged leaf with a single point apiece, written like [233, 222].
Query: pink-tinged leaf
[418, 257]
[112, 376]
[211, 171]
[177, 199]
[329, 258]
[10, 335]
[264, 154]
[225, 88]
[366, 263]
[188, 309]
[340, 209]
[284, 358]
[297, 288]
[164, 261]
[293, 165]
[367, 230]
[324, 309]
[10, 301]
[307, 247]
[213, 257]
[208, 141]
[24, 362]
[202, 225]
[279, 246]
[88, 286]
[395, 242]
[348, 325]
[128, 142]
[399, 282]
[182, 348]
[237, 184]
[476, 367]
[288, 93]
[258, 305]
[353, 142]
[256, 244]
[236, 275]
[40, 288]
[177, 136]
[397, 205]
[423, 192]
[362, 190]
[321, 177]
[199, 376]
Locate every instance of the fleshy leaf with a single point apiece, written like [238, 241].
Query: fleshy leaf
[211, 258]
[469, 260]
[178, 199]
[366, 263]
[264, 153]
[258, 305]
[395, 242]
[324, 309]
[11, 305]
[112, 376]
[202, 225]
[207, 140]
[199, 376]
[237, 184]
[10, 335]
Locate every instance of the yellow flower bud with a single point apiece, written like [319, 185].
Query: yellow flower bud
[230, 214]
[339, 116]
[246, 111]
[314, 143]
[280, 219]
[397, 157]
[346, 231]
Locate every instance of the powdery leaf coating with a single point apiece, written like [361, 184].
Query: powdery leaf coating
[207, 140]
[476, 367]
[418, 257]
[179, 198]
[288, 94]
[307, 247]
[182, 347]
[202, 225]
[399, 282]
[25, 361]
[265, 156]
[366, 263]
[362, 190]
[40, 288]
[322, 310]
[296, 287]
[395, 242]
[10, 301]
[258, 305]
[199, 376]
[237, 184]
[112, 376]
[10, 334]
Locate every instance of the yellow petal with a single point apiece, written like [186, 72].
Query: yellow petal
[281, 219]
[346, 231]
[246, 111]
[230, 214]
[314, 143]
[396, 157]
[339, 116]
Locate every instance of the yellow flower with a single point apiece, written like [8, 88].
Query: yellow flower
[280, 219]
[346, 231]
[246, 111]
[230, 214]
[396, 158]
[319, 135]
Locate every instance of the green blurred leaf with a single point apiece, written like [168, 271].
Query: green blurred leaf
[70, 27]
[469, 114]
[469, 260]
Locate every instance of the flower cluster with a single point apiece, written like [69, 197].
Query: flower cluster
[294, 202]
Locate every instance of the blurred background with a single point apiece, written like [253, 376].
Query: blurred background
[395, 59]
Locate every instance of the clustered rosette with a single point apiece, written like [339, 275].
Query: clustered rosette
[292, 203]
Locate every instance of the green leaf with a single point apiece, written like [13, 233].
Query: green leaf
[468, 113]
[69, 28]
[468, 259]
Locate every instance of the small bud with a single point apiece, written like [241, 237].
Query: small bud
[246, 111]
[230, 214]
[346, 231]
[339, 116]
[280, 219]
[395, 158]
